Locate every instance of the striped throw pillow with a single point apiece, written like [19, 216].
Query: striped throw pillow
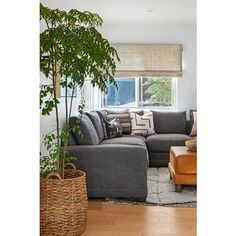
[124, 118]
[194, 127]
[142, 125]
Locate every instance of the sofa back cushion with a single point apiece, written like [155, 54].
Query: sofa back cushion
[97, 123]
[71, 140]
[102, 114]
[89, 134]
[169, 122]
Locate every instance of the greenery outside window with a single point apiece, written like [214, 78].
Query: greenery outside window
[141, 92]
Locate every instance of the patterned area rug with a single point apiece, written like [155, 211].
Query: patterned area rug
[161, 191]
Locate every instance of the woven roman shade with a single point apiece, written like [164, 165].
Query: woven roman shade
[149, 60]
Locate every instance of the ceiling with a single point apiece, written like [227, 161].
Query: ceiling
[133, 11]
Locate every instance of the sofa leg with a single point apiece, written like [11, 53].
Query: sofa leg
[178, 188]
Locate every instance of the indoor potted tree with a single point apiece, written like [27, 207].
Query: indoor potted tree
[71, 49]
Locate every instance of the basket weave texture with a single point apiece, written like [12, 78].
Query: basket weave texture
[63, 204]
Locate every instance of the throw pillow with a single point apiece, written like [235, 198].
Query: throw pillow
[194, 127]
[113, 128]
[117, 112]
[191, 145]
[142, 125]
[124, 117]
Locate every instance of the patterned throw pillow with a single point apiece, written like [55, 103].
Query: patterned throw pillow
[142, 125]
[113, 128]
[194, 127]
[124, 117]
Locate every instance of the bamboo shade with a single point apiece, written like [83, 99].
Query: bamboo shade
[149, 60]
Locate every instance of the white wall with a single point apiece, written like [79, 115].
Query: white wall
[184, 34]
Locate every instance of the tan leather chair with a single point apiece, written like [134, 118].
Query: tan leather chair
[183, 167]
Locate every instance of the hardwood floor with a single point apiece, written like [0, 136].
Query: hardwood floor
[135, 220]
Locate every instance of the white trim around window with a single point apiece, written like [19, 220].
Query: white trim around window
[94, 98]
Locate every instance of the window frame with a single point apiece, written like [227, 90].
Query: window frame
[174, 89]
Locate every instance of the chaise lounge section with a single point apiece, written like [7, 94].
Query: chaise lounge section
[115, 167]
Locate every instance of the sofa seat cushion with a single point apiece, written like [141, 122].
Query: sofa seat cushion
[135, 136]
[163, 142]
[127, 140]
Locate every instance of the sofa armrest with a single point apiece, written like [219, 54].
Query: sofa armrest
[113, 170]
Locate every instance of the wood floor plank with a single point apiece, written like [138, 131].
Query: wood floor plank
[139, 220]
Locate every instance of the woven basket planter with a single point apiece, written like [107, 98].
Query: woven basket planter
[63, 204]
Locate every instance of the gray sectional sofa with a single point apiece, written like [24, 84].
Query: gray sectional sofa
[117, 167]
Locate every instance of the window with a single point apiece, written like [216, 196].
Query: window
[125, 95]
[141, 92]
